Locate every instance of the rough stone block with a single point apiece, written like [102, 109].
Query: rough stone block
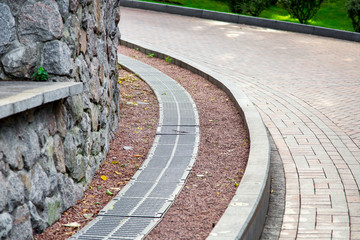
[56, 58]
[7, 28]
[39, 21]
[22, 225]
[5, 224]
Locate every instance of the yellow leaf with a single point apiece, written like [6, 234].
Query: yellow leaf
[136, 156]
[103, 177]
[117, 173]
[90, 186]
[114, 162]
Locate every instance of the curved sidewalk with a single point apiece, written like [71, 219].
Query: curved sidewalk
[307, 89]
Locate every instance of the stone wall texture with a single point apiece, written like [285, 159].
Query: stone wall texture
[49, 155]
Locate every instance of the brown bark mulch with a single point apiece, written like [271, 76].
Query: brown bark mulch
[221, 161]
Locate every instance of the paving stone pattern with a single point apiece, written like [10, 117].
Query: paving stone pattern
[142, 202]
[307, 90]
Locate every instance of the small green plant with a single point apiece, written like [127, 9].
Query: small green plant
[41, 75]
[303, 10]
[150, 55]
[252, 7]
[168, 59]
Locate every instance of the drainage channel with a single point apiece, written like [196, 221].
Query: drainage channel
[141, 204]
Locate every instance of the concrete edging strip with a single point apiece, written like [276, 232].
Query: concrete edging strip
[245, 215]
[16, 97]
[241, 19]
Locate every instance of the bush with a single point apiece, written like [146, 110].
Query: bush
[252, 7]
[303, 10]
[272, 2]
[353, 8]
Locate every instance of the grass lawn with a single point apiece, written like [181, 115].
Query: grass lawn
[333, 13]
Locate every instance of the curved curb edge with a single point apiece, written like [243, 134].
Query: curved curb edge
[241, 19]
[245, 216]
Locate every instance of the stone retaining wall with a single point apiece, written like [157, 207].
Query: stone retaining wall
[48, 155]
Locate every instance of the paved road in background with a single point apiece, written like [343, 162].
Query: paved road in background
[307, 89]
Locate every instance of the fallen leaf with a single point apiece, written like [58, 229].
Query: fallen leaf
[114, 162]
[73, 224]
[117, 173]
[103, 177]
[109, 193]
[88, 215]
[137, 156]
[114, 188]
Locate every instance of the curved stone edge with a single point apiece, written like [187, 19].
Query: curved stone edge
[241, 19]
[16, 96]
[245, 216]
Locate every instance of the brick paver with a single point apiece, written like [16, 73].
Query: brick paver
[307, 89]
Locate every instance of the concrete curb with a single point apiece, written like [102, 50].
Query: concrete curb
[241, 19]
[245, 216]
[16, 97]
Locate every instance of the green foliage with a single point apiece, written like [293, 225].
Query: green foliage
[150, 55]
[41, 75]
[252, 7]
[353, 9]
[272, 2]
[303, 10]
[168, 59]
[332, 14]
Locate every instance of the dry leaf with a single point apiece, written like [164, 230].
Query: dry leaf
[73, 224]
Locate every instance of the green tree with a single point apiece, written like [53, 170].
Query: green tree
[353, 8]
[252, 7]
[303, 10]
